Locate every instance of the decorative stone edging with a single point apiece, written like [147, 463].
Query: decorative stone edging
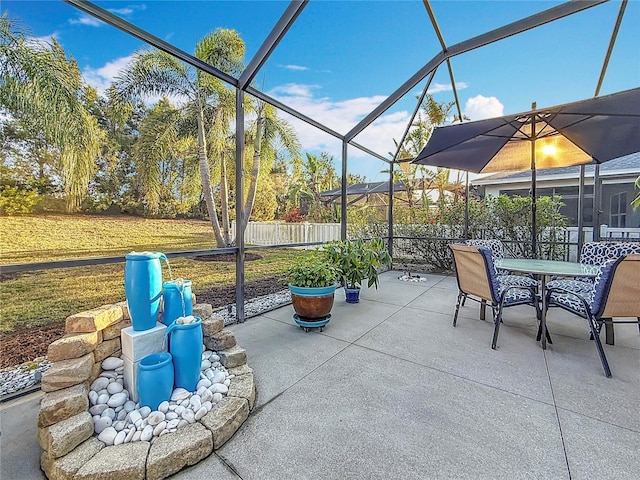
[66, 428]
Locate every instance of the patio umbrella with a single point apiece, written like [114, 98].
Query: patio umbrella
[598, 129]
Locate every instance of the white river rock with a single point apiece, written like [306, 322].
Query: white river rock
[163, 407]
[159, 428]
[99, 383]
[155, 418]
[114, 387]
[101, 423]
[147, 433]
[112, 363]
[108, 435]
[118, 399]
[179, 394]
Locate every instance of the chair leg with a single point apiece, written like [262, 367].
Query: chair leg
[608, 332]
[461, 298]
[547, 334]
[497, 319]
[464, 299]
[483, 310]
[638, 324]
[596, 338]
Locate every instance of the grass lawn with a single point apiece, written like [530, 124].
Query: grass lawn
[49, 296]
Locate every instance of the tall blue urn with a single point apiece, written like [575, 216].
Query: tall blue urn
[185, 345]
[155, 379]
[178, 300]
[143, 288]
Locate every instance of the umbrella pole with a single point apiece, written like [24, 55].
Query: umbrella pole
[534, 226]
[466, 208]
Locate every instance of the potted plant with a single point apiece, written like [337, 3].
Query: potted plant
[312, 283]
[356, 260]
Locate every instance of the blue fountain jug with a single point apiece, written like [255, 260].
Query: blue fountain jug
[143, 288]
[178, 300]
[185, 346]
[155, 379]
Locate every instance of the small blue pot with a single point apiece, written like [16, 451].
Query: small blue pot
[352, 295]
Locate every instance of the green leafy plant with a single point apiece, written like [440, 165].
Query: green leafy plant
[312, 271]
[358, 259]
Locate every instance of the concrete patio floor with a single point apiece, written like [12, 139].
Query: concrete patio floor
[391, 390]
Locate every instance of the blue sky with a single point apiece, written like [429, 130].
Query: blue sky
[342, 58]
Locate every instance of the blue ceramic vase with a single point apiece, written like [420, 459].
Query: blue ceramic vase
[143, 288]
[185, 345]
[155, 379]
[178, 300]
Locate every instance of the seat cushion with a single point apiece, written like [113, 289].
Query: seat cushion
[571, 302]
[571, 285]
[514, 296]
[518, 281]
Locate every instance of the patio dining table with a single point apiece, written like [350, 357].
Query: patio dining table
[544, 269]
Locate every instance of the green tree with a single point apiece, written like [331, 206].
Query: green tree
[153, 72]
[42, 88]
[419, 177]
[166, 163]
[211, 108]
[309, 178]
[115, 182]
[269, 132]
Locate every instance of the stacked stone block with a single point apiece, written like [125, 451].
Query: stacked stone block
[65, 428]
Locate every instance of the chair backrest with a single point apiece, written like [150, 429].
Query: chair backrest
[598, 253]
[617, 293]
[496, 247]
[472, 271]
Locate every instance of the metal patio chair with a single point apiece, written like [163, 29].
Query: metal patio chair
[477, 280]
[506, 277]
[615, 293]
[598, 254]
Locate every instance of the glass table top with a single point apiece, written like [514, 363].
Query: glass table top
[548, 267]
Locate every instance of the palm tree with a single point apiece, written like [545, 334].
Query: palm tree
[166, 162]
[430, 115]
[42, 87]
[153, 72]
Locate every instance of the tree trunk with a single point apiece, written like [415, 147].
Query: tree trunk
[255, 171]
[224, 200]
[206, 182]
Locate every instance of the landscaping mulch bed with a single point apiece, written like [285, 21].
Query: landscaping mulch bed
[27, 344]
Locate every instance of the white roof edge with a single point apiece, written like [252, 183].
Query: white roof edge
[550, 178]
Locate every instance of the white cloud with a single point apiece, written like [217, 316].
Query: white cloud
[445, 87]
[342, 116]
[128, 10]
[480, 107]
[299, 68]
[121, 11]
[101, 78]
[86, 20]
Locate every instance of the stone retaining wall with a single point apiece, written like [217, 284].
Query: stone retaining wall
[66, 429]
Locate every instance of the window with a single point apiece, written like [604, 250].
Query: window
[618, 210]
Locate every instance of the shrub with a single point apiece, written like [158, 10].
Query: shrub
[314, 270]
[16, 201]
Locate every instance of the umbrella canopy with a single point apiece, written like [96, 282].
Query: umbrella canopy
[598, 129]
